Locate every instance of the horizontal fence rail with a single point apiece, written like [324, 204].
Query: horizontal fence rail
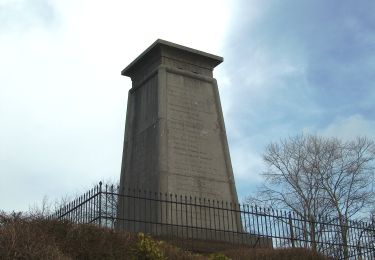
[191, 218]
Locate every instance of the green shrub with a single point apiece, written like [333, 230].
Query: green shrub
[147, 249]
[218, 256]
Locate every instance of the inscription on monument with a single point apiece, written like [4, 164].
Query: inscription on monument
[193, 131]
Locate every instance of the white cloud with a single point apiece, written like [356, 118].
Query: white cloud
[19, 16]
[247, 164]
[348, 128]
[62, 98]
[63, 101]
[293, 68]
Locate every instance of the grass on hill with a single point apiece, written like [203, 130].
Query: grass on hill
[23, 237]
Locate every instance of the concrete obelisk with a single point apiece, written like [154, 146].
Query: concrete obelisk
[175, 139]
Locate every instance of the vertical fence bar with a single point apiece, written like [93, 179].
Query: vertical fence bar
[351, 249]
[261, 220]
[186, 218]
[106, 206]
[222, 226]
[176, 215]
[71, 211]
[264, 226]
[234, 229]
[251, 216]
[364, 240]
[209, 216]
[257, 221]
[218, 217]
[266, 221]
[95, 204]
[227, 221]
[191, 234]
[200, 219]
[85, 197]
[205, 218]
[245, 218]
[166, 213]
[214, 213]
[100, 203]
[182, 217]
[277, 235]
[325, 234]
[90, 201]
[291, 230]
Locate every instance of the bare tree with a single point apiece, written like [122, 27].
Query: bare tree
[346, 178]
[40, 210]
[315, 176]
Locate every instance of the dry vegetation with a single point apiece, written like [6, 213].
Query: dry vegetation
[24, 237]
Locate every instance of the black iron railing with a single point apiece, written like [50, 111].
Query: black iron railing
[192, 218]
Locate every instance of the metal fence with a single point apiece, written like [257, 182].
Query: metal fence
[190, 218]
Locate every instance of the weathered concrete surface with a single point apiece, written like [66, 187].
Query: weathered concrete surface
[175, 139]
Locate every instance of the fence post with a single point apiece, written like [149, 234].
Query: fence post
[291, 230]
[100, 203]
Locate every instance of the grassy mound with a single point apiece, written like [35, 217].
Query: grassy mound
[24, 237]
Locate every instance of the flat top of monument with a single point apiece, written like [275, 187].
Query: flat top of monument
[159, 42]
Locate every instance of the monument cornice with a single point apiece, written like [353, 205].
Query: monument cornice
[171, 55]
[173, 70]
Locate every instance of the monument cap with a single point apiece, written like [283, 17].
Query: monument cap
[162, 48]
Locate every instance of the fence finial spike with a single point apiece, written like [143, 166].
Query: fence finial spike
[100, 183]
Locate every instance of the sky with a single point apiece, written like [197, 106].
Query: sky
[290, 67]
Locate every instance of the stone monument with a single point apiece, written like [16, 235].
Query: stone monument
[175, 140]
